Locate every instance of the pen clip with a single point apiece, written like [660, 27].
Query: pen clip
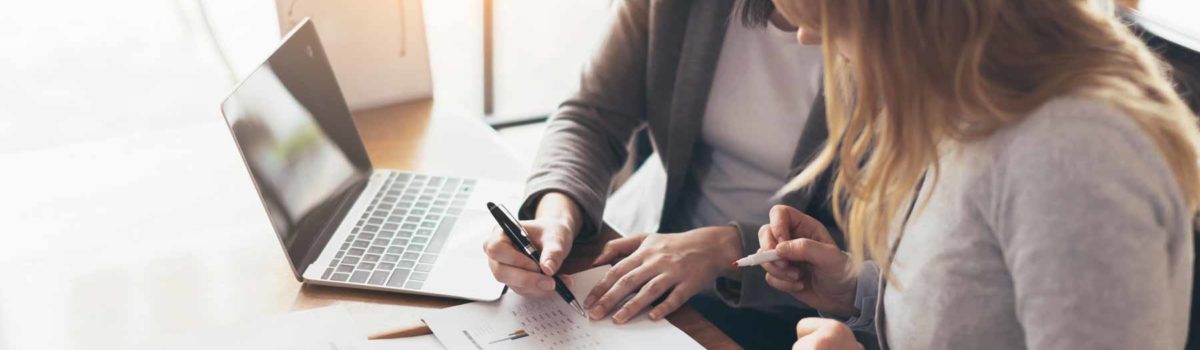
[521, 236]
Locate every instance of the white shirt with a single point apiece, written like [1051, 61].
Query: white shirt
[762, 90]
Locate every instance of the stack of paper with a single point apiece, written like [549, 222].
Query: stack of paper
[516, 322]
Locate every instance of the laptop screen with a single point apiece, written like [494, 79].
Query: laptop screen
[298, 141]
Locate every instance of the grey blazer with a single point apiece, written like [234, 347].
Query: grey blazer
[654, 70]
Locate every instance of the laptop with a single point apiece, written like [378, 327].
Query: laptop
[341, 221]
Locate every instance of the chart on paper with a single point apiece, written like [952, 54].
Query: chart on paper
[516, 322]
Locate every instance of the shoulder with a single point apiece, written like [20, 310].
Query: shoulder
[1082, 153]
[1068, 133]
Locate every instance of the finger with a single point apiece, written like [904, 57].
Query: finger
[619, 270]
[649, 292]
[523, 281]
[784, 271]
[807, 250]
[617, 248]
[766, 240]
[810, 325]
[679, 295]
[785, 285]
[555, 245]
[623, 287]
[796, 224]
[781, 222]
[500, 249]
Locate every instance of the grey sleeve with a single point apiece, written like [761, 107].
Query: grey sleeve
[584, 142]
[866, 297]
[1084, 209]
[750, 289]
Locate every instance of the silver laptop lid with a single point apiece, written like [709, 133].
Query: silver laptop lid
[299, 143]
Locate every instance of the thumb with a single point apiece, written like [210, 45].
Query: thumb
[555, 246]
[814, 252]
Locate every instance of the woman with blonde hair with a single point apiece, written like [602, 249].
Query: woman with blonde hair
[1010, 174]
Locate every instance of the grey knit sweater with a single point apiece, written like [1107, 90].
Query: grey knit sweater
[1065, 231]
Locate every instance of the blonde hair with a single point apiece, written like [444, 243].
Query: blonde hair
[926, 71]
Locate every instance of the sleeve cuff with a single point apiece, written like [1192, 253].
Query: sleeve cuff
[865, 297]
[731, 290]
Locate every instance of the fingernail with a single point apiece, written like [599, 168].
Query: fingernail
[546, 284]
[655, 314]
[550, 266]
[620, 316]
[595, 314]
[588, 302]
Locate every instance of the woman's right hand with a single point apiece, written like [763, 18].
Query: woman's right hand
[812, 269]
[552, 231]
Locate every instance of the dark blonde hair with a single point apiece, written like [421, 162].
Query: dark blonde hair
[925, 71]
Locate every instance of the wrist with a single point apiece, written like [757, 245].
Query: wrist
[558, 207]
[729, 239]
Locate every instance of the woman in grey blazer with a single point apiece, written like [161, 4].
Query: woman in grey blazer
[731, 105]
[1025, 178]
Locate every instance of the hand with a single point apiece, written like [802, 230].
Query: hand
[813, 269]
[677, 265]
[824, 334]
[553, 231]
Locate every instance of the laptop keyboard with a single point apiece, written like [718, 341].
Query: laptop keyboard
[397, 240]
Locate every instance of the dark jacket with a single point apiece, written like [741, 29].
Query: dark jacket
[654, 69]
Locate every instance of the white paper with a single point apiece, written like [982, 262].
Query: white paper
[516, 322]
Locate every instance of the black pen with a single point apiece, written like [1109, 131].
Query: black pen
[520, 239]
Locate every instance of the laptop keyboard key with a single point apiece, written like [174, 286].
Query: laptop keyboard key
[385, 266]
[340, 277]
[371, 258]
[366, 266]
[410, 256]
[424, 267]
[419, 276]
[428, 258]
[345, 268]
[359, 277]
[328, 272]
[398, 278]
[407, 263]
[439, 237]
[375, 250]
[350, 260]
[378, 278]
[391, 258]
[357, 252]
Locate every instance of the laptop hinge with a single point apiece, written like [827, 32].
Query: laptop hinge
[350, 191]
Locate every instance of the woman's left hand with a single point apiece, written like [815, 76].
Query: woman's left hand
[681, 264]
[815, 333]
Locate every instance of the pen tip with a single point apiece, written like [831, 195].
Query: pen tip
[579, 309]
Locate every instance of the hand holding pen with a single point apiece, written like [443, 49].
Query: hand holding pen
[802, 259]
[520, 239]
[552, 230]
